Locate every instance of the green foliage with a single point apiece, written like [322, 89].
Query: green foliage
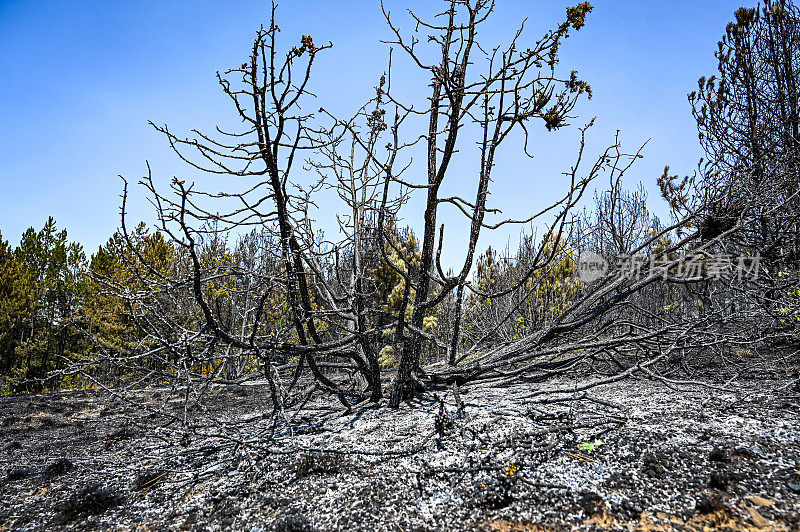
[15, 305]
[119, 273]
[387, 358]
[554, 286]
[403, 254]
[576, 16]
[590, 446]
[546, 293]
[43, 286]
[58, 309]
[488, 272]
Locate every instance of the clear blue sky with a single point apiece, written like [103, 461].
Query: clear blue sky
[80, 79]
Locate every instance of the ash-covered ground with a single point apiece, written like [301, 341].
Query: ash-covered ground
[660, 457]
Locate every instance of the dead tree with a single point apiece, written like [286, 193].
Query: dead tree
[747, 117]
[515, 86]
[269, 93]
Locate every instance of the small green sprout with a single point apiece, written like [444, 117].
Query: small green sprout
[590, 446]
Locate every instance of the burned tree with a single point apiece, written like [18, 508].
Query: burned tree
[515, 87]
[268, 93]
[747, 119]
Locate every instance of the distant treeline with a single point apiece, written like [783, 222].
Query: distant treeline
[56, 305]
[61, 312]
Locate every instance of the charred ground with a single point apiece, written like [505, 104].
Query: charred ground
[723, 455]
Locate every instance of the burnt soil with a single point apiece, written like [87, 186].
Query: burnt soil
[669, 457]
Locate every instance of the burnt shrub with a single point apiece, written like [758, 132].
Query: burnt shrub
[590, 503]
[293, 523]
[59, 467]
[720, 454]
[18, 473]
[124, 433]
[652, 466]
[92, 499]
[708, 504]
[719, 480]
[317, 462]
[494, 493]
